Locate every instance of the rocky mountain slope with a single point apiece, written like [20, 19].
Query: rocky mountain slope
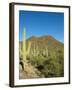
[46, 55]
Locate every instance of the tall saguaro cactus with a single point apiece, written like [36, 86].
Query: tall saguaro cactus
[25, 51]
[24, 44]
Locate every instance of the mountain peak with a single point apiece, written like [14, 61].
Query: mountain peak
[32, 37]
[41, 37]
[47, 36]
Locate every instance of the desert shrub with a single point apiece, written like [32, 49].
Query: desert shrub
[51, 66]
[36, 60]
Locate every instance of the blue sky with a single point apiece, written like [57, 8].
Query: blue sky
[41, 23]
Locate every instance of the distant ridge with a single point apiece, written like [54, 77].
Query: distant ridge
[44, 42]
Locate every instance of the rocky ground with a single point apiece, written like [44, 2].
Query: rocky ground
[29, 72]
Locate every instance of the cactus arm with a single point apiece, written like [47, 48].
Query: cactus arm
[20, 51]
[28, 50]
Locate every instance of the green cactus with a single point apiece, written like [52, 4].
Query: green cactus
[25, 51]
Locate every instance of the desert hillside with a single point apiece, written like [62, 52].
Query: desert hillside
[45, 58]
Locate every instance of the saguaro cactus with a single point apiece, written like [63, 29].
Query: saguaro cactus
[24, 44]
[25, 51]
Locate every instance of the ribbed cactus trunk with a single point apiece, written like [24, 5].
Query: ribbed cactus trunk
[24, 44]
[24, 48]
[25, 51]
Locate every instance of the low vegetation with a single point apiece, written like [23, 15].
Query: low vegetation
[46, 58]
